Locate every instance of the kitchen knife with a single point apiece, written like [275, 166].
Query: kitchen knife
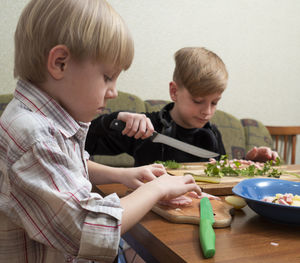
[206, 232]
[160, 138]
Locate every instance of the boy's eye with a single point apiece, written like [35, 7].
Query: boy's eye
[201, 102]
[197, 102]
[107, 78]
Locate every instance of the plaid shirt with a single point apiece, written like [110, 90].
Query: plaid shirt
[47, 210]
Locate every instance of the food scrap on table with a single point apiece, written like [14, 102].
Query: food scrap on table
[274, 244]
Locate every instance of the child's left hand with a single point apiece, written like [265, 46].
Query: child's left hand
[137, 176]
[261, 154]
[137, 125]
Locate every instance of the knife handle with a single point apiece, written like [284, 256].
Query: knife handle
[117, 125]
[207, 238]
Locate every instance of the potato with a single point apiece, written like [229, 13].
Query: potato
[236, 201]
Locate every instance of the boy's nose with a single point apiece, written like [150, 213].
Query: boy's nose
[112, 92]
[207, 110]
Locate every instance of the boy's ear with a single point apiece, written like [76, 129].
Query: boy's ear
[58, 59]
[173, 88]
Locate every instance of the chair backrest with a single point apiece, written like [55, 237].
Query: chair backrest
[288, 134]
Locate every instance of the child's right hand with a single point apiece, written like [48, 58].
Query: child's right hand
[141, 201]
[261, 154]
[137, 125]
[173, 186]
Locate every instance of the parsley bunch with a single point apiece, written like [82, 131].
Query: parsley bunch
[170, 164]
[224, 168]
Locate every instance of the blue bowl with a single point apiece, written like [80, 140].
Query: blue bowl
[254, 190]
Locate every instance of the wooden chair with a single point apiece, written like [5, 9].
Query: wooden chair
[288, 134]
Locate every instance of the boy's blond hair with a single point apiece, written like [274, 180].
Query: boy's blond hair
[200, 71]
[90, 29]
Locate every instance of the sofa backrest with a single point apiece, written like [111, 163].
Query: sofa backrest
[125, 102]
[238, 136]
[256, 134]
[232, 132]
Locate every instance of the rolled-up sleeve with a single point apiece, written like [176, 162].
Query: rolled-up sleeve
[99, 234]
[52, 200]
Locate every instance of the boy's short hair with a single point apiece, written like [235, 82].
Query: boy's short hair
[90, 29]
[200, 71]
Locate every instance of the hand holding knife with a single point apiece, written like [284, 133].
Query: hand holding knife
[160, 138]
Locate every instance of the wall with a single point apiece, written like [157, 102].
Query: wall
[259, 41]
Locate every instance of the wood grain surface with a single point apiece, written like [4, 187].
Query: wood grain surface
[191, 214]
[250, 238]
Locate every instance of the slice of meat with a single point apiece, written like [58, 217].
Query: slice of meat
[176, 202]
[209, 196]
[186, 200]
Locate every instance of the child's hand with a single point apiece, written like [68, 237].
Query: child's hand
[137, 176]
[261, 154]
[165, 187]
[174, 186]
[137, 125]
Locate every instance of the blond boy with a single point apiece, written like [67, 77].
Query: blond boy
[68, 56]
[199, 80]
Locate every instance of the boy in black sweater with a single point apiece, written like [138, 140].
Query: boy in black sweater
[199, 79]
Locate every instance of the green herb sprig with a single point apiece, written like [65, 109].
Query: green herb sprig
[223, 168]
[170, 164]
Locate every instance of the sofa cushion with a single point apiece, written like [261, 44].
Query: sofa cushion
[124, 102]
[256, 134]
[232, 133]
[4, 100]
[155, 105]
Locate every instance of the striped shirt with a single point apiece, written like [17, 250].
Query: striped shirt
[47, 210]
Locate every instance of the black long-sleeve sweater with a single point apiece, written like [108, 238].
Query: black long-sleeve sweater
[101, 140]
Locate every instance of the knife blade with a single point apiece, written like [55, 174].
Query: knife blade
[161, 138]
[206, 232]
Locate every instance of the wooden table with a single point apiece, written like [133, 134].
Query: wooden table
[249, 239]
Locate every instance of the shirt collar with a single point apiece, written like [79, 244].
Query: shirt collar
[38, 101]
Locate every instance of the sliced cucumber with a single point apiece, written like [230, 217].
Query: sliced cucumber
[207, 179]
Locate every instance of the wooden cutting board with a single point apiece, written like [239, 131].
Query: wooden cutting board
[191, 214]
[227, 183]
